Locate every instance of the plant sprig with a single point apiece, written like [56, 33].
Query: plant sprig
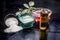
[29, 8]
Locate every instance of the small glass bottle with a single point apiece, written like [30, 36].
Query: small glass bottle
[44, 19]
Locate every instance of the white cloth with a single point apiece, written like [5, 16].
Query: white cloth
[12, 24]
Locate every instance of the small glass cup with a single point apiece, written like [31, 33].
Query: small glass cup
[26, 20]
[37, 14]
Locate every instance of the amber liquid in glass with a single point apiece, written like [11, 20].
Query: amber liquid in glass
[43, 20]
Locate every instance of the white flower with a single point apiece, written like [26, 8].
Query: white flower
[31, 3]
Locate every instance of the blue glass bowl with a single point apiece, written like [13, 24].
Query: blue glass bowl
[26, 20]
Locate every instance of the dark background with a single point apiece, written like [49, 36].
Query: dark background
[11, 6]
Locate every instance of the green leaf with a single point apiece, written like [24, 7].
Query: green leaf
[24, 11]
[20, 9]
[28, 11]
[18, 13]
[26, 5]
